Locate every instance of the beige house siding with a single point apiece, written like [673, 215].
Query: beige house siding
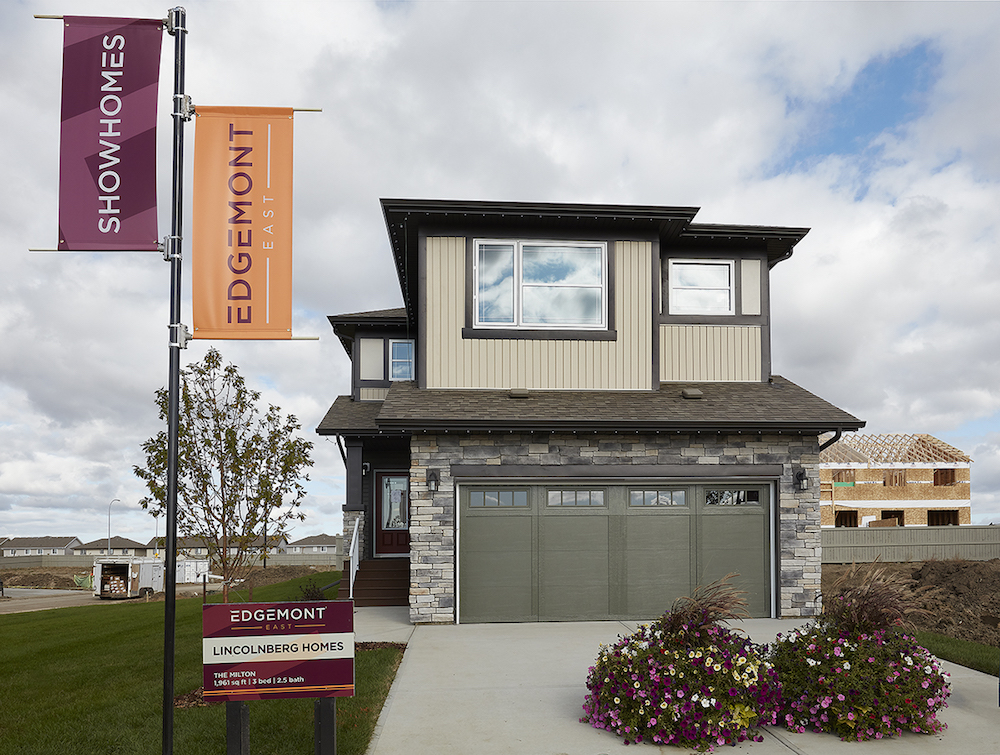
[702, 353]
[373, 394]
[497, 363]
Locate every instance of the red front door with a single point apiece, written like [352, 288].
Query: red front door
[392, 513]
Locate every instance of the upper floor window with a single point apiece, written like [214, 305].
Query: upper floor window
[401, 360]
[540, 284]
[701, 287]
[375, 360]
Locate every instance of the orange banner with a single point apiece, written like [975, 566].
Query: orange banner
[242, 223]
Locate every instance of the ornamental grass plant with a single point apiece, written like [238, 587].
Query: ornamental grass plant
[684, 679]
[855, 672]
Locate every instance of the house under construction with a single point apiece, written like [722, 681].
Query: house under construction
[894, 480]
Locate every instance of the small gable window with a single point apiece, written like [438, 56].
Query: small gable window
[701, 287]
[540, 284]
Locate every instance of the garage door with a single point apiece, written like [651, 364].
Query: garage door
[607, 551]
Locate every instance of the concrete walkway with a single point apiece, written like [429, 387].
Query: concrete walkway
[519, 688]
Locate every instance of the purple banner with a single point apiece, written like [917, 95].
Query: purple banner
[107, 158]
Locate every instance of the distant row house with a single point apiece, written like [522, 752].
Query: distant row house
[869, 480]
[187, 547]
[116, 546]
[39, 546]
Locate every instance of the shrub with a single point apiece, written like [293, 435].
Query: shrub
[311, 591]
[868, 598]
[683, 679]
[867, 686]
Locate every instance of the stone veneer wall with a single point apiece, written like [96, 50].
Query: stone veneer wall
[350, 517]
[432, 516]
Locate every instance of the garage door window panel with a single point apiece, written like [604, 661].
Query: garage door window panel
[575, 497]
[657, 498]
[493, 499]
[730, 497]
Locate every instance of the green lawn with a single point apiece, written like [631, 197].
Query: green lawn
[90, 680]
[969, 654]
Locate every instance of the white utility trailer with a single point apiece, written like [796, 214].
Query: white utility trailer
[136, 577]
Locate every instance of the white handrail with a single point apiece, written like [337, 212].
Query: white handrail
[355, 557]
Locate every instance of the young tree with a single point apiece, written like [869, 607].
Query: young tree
[239, 473]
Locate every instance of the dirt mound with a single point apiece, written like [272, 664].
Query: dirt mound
[52, 578]
[960, 599]
[274, 573]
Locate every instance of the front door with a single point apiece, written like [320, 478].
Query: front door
[392, 518]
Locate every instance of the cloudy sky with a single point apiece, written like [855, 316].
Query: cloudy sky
[874, 124]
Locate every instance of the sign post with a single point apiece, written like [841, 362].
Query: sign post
[177, 27]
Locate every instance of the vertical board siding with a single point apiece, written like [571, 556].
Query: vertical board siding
[454, 362]
[702, 353]
[846, 545]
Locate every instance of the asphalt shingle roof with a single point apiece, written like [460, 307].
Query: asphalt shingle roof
[778, 405]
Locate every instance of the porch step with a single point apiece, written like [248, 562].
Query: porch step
[382, 582]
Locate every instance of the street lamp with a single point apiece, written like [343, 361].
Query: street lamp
[109, 523]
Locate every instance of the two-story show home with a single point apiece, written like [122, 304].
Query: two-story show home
[573, 415]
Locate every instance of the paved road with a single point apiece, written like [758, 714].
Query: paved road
[23, 599]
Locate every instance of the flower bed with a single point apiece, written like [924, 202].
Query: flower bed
[858, 685]
[694, 686]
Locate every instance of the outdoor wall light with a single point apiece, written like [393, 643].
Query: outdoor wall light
[802, 480]
[365, 468]
[433, 480]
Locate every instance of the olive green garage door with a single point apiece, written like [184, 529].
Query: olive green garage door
[589, 552]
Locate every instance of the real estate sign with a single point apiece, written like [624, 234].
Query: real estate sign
[253, 651]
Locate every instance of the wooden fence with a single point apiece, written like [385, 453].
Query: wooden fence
[847, 545]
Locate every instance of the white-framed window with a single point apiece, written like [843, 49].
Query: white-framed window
[540, 284]
[701, 287]
[400, 359]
